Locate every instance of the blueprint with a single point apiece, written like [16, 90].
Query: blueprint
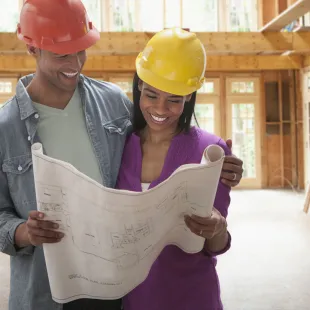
[112, 237]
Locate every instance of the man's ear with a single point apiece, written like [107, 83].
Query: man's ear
[33, 51]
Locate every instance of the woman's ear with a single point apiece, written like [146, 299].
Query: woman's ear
[140, 84]
[188, 97]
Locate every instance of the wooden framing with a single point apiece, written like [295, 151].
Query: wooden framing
[216, 43]
[307, 201]
[293, 127]
[263, 148]
[96, 63]
[293, 12]
[280, 99]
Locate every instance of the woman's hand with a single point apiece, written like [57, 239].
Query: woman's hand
[207, 227]
[232, 168]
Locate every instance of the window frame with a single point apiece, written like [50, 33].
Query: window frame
[223, 10]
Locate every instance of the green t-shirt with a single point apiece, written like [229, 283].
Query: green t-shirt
[64, 136]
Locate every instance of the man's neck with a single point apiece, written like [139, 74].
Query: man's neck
[45, 93]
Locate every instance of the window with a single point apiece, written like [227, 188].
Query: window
[242, 87]
[9, 15]
[124, 81]
[173, 14]
[205, 117]
[123, 15]
[151, 19]
[202, 16]
[94, 9]
[242, 15]
[153, 16]
[7, 89]
[207, 88]
[243, 130]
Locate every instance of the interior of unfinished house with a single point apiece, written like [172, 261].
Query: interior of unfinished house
[168, 141]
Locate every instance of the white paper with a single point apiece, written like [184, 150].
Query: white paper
[112, 237]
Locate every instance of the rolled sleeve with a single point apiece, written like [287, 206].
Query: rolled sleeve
[224, 250]
[9, 221]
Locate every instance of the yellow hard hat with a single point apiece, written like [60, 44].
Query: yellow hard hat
[174, 61]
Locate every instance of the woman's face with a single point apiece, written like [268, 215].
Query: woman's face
[161, 110]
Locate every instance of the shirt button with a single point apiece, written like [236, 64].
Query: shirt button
[36, 115]
[29, 138]
[20, 168]
[119, 129]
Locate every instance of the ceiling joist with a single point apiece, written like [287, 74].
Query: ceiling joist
[292, 13]
[216, 43]
[99, 63]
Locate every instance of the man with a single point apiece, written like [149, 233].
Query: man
[78, 120]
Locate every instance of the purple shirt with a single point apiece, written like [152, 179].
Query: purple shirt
[177, 280]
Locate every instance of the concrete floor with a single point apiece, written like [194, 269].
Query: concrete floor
[268, 266]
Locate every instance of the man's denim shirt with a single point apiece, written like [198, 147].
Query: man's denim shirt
[107, 114]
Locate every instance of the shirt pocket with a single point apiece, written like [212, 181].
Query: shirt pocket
[20, 178]
[119, 126]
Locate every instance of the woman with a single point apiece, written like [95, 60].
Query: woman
[169, 72]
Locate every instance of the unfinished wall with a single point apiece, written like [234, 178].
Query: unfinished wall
[283, 139]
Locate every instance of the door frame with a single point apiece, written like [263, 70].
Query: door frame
[246, 98]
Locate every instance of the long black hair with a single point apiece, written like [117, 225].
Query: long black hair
[139, 122]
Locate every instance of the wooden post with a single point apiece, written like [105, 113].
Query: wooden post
[264, 162]
[293, 127]
[280, 103]
[307, 201]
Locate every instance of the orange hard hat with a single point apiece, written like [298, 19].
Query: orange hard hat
[58, 26]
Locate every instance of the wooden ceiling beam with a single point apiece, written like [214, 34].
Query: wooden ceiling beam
[293, 12]
[216, 43]
[96, 63]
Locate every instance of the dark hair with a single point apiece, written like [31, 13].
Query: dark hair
[138, 120]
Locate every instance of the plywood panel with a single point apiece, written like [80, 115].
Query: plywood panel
[287, 160]
[274, 167]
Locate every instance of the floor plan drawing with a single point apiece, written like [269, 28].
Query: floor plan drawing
[112, 237]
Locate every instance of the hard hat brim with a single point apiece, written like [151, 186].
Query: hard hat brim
[168, 86]
[70, 47]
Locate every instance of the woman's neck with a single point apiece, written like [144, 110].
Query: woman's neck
[157, 137]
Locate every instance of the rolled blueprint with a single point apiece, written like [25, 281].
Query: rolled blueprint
[112, 237]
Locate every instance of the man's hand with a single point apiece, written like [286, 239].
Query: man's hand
[232, 168]
[37, 231]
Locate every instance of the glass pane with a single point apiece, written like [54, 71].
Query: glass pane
[9, 15]
[6, 87]
[203, 16]
[243, 136]
[123, 15]
[126, 86]
[207, 88]
[205, 116]
[152, 20]
[242, 87]
[173, 14]
[93, 8]
[242, 15]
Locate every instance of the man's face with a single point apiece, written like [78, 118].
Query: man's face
[62, 71]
